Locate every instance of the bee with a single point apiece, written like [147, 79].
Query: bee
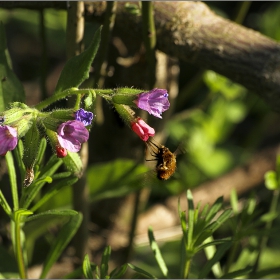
[166, 160]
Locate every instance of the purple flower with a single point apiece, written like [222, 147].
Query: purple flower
[8, 139]
[154, 101]
[71, 135]
[84, 116]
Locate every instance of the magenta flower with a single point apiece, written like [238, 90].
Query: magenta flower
[143, 130]
[154, 101]
[8, 139]
[71, 135]
[84, 116]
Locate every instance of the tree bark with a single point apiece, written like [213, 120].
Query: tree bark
[193, 33]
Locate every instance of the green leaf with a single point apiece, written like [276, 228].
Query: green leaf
[11, 89]
[87, 268]
[214, 209]
[37, 227]
[3, 202]
[47, 171]
[141, 271]
[53, 190]
[13, 179]
[157, 253]
[90, 98]
[73, 163]
[41, 151]
[217, 256]
[219, 221]
[105, 262]
[237, 273]
[182, 215]
[270, 179]
[76, 69]
[68, 212]
[118, 273]
[234, 201]
[190, 218]
[63, 238]
[214, 242]
[31, 147]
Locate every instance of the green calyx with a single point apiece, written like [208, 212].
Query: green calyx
[53, 119]
[126, 96]
[125, 112]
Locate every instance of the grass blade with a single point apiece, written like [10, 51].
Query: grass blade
[157, 253]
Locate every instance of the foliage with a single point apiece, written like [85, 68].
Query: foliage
[217, 241]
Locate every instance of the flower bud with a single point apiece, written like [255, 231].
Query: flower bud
[125, 112]
[13, 115]
[61, 152]
[126, 96]
[143, 130]
[62, 114]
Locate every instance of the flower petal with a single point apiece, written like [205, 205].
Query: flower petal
[71, 134]
[155, 102]
[143, 130]
[8, 139]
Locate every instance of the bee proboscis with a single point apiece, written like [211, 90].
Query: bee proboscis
[166, 160]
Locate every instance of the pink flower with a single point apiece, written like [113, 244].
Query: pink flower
[143, 130]
[155, 101]
[71, 135]
[8, 139]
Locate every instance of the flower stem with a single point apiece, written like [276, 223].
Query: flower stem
[187, 268]
[72, 91]
[19, 253]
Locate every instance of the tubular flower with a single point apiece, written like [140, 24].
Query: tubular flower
[8, 139]
[143, 130]
[84, 116]
[71, 135]
[61, 152]
[155, 102]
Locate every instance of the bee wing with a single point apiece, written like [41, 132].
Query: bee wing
[180, 149]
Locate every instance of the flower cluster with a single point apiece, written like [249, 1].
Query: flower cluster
[72, 134]
[155, 102]
[69, 135]
[67, 129]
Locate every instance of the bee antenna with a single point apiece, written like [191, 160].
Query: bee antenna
[152, 143]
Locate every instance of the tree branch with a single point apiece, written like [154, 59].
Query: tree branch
[193, 33]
